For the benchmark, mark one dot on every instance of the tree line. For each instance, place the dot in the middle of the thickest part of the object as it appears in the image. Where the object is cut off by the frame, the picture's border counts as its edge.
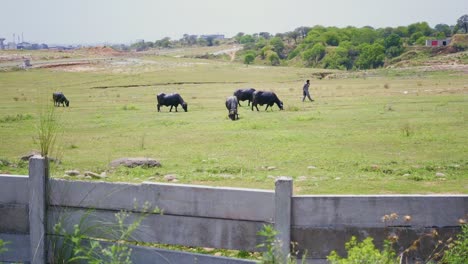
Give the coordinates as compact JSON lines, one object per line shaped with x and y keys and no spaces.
{"x":327,"y":47}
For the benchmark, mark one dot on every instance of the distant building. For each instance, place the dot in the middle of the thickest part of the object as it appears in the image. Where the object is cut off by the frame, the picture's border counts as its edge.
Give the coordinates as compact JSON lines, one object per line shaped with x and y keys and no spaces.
{"x":437,"y":42}
{"x":11,"y":45}
{"x":2,"y":46}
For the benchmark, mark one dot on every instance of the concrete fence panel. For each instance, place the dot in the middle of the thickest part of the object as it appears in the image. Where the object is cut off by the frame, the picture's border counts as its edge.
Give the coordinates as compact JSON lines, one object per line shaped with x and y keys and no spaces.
{"x":166,"y":229}
{"x":188,"y":200}
{"x":321,"y":224}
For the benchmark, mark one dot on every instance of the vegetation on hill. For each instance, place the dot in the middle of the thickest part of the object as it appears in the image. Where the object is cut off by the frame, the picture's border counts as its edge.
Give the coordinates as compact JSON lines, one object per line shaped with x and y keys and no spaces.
{"x":327,"y":47}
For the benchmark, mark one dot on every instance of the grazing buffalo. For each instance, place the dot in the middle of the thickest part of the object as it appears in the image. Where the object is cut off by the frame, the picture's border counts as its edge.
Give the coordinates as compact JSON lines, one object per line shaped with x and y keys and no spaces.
{"x":171,"y":100}
{"x":59,"y":98}
{"x":231,"y":105}
{"x":244,"y":94}
{"x":268,"y":98}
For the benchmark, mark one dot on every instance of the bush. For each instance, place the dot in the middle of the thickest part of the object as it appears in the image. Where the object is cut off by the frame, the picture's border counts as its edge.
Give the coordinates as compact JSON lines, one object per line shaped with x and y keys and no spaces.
{"x":457,"y":251}
{"x":364,"y":252}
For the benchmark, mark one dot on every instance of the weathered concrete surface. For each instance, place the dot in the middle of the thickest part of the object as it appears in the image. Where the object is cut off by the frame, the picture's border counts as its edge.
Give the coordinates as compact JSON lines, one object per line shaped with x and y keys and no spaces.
{"x":319,"y":242}
{"x":167,"y":229}
{"x":321,"y":224}
{"x":14,"y":189}
{"x":14,"y":218}
{"x":38,"y":181}
{"x":283,"y":194}
{"x":174,"y":199}
{"x":367,"y":210}
{"x":18,"y":248}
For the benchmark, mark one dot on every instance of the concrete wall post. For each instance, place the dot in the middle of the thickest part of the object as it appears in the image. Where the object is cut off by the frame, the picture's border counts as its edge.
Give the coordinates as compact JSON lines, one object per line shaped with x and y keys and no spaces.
{"x":283,"y":195}
{"x":38,"y":179}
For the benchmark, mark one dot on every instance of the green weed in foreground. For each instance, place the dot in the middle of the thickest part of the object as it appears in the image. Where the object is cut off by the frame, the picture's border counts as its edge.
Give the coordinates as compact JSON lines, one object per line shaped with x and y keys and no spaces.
{"x":81,"y":246}
{"x":272,"y":248}
{"x":364,"y":253}
{"x":3,"y":247}
{"x":457,"y":251}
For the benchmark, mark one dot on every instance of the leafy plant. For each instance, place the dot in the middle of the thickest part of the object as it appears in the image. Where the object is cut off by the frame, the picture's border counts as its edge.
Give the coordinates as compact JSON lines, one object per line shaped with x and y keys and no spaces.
{"x":79,"y":245}
{"x":364,"y":252}
{"x":48,"y":129}
{"x":3,"y":247}
{"x":457,"y":251}
{"x":272,"y":247}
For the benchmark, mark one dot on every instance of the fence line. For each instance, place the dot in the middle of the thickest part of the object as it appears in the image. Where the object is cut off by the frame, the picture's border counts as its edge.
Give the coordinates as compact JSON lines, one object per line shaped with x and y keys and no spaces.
{"x":213,"y":217}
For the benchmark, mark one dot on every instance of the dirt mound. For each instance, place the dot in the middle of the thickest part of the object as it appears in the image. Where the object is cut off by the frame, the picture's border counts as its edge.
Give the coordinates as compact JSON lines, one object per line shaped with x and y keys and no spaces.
{"x":459,"y":39}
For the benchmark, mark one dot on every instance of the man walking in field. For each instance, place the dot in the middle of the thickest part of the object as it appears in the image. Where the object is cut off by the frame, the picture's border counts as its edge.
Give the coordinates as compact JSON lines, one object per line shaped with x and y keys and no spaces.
{"x":305,"y":91}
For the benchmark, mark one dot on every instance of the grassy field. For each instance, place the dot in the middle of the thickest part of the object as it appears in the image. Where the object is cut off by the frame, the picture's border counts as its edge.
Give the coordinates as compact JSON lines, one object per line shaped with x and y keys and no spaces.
{"x":379,"y":132}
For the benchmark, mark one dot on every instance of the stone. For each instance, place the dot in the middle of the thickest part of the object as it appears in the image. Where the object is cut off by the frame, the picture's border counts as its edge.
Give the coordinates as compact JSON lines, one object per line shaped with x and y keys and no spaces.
{"x":301,"y":178}
{"x":72,"y":172}
{"x":439,"y":174}
{"x":270,"y":168}
{"x":151,"y":178}
{"x":170,"y":177}
{"x":104,"y":174}
{"x":88,"y":177}
{"x":311,"y":167}
{"x":93,"y":175}
{"x":208,"y":249}
{"x":27,"y":156}
{"x":406,"y":175}
{"x":375,"y":167}
{"x":218,"y":254}
{"x":134,"y":162}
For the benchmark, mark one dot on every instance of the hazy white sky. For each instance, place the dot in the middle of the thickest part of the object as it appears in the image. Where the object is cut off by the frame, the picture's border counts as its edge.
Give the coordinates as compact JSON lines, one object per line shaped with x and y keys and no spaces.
{"x":124,"y":21}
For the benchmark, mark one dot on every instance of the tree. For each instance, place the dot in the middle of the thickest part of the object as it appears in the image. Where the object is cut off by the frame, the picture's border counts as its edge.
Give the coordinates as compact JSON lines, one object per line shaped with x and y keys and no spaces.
{"x":393,"y":45}
{"x":273,"y":58}
{"x":331,"y":38}
{"x":443,"y":28}
{"x":246,"y":39}
{"x":337,"y":58}
{"x":462,"y":23}
{"x":415,"y":37}
{"x":265,"y":35}
{"x":313,"y":55}
{"x":293,"y":35}
{"x":278,"y":45}
{"x":371,"y":56}
{"x":249,"y":58}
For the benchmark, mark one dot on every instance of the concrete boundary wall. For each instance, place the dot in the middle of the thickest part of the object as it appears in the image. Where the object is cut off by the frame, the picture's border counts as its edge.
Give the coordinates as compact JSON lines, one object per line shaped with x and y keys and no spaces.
{"x":188,"y":200}
{"x":322,"y":223}
{"x":215,"y":217}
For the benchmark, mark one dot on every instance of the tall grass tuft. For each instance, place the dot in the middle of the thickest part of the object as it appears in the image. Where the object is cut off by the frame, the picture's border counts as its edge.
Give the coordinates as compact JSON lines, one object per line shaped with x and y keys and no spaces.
{"x":48,"y":129}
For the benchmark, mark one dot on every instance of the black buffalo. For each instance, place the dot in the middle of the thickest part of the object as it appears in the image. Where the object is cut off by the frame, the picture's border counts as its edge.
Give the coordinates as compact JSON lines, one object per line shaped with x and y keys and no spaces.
{"x":171,"y":100}
{"x":268,"y":98}
{"x":231,"y":105}
{"x":59,"y":98}
{"x":244,"y":94}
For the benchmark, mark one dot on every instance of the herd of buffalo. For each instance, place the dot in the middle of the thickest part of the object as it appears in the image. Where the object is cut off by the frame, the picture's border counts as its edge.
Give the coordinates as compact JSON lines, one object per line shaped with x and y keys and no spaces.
{"x":232,"y":102}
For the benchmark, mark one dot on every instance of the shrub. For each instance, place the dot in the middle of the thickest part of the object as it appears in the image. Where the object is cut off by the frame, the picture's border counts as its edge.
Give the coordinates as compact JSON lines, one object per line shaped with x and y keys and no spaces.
{"x":457,"y":251}
{"x":364,"y":252}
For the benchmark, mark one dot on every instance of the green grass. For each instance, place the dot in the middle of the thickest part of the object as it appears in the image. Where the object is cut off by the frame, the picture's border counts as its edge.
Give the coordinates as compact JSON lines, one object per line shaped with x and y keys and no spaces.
{"x":389,"y":132}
